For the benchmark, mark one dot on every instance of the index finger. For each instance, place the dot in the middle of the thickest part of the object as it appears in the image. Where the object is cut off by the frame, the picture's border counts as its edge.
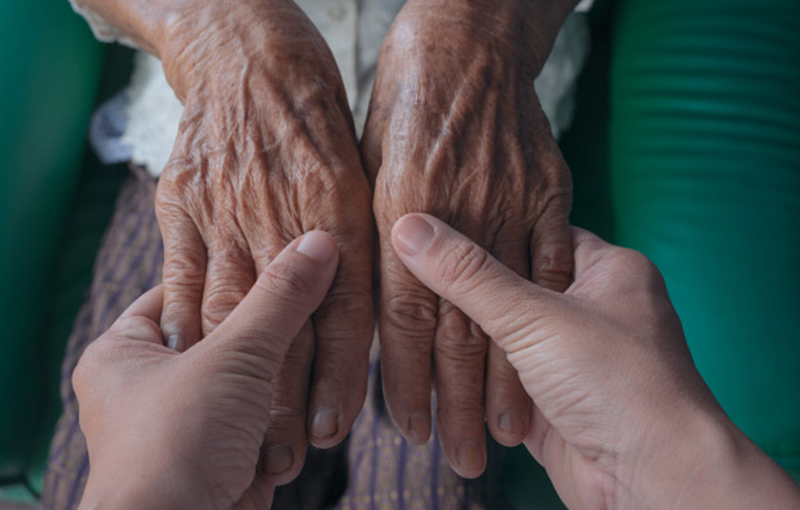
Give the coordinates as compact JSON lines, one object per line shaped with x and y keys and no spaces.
{"x":281,"y":300}
{"x":147,"y":305}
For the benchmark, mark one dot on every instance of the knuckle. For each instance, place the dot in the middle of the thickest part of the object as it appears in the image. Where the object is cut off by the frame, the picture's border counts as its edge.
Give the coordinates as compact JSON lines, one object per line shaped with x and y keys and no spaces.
{"x":636,"y":264}
{"x":404,"y":35}
{"x":553,"y":270}
{"x":179,"y":173}
{"x":253,"y":360}
{"x":411,"y":315}
{"x":175,"y":197}
{"x":220,"y":301}
{"x":350,"y":302}
{"x":459,"y":339}
{"x":185,"y":267}
{"x":463,"y":264}
{"x":180,"y":315}
{"x":562,"y":181}
{"x":461,"y":415}
{"x":555,"y":257}
{"x":633,"y":258}
{"x":288,"y":417}
{"x":211,"y":319}
{"x":345,"y":316}
{"x":95,"y":357}
{"x":287,"y":281}
{"x":642,"y":269}
{"x":462,"y":353}
{"x":92,"y":357}
{"x":556,"y":202}
{"x":555,"y":169}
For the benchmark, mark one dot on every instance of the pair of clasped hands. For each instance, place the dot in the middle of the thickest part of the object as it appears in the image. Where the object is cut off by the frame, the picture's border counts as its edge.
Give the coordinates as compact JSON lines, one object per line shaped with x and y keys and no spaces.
{"x":266,"y":151}
{"x":620,"y":417}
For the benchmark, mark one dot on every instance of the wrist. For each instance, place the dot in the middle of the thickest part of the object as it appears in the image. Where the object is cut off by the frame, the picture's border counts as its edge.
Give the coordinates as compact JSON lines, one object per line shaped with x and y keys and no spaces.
{"x":183,"y":33}
{"x":703,"y":462}
{"x":526,"y":28}
{"x":193,"y":39}
{"x":241,"y":42}
{"x":157,"y":484}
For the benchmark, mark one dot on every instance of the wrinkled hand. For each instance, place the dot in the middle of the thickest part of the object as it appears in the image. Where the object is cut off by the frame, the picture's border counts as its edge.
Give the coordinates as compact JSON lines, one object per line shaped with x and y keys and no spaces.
{"x":621,"y":418}
{"x":168,"y":430}
{"x":455,"y":129}
{"x":265,"y":152}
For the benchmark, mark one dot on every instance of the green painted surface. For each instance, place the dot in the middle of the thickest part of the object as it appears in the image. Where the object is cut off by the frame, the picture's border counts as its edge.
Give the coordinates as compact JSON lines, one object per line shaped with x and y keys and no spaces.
{"x":705,"y":171}
{"x":47,"y":88}
{"x":17,"y":493}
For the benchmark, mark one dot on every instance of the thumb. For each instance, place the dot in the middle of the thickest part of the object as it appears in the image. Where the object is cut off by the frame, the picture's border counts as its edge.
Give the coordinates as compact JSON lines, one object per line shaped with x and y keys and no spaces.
{"x":501,"y":302}
{"x":291,"y":287}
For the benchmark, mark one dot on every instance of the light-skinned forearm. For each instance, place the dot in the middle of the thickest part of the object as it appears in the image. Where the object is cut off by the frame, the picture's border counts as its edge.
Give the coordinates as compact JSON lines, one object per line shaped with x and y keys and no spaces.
{"x":120,"y":482}
{"x":704,"y":461}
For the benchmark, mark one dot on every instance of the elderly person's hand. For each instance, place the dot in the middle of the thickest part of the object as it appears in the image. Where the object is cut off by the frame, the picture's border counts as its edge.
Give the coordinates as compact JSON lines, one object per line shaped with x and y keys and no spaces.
{"x":184,"y":430}
{"x":455,"y":129}
{"x":621,"y":418}
{"x":266,"y":151}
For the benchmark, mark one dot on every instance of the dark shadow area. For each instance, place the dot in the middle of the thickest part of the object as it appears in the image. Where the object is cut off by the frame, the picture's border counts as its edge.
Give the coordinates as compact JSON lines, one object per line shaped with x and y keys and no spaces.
{"x":586,"y":144}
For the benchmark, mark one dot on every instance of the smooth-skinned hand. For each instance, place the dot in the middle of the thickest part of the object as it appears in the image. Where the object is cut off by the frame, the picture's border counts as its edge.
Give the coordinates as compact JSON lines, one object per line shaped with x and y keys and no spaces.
{"x":455,"y":130}
{"x":266,"y":151}
{"x":170,"y":430}
{"x":621,"y":418}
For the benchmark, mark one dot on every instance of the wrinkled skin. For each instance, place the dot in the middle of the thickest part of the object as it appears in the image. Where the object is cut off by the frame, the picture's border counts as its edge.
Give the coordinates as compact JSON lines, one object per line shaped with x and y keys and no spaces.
{"x":455,"y":130}
{"x":265,"y":152}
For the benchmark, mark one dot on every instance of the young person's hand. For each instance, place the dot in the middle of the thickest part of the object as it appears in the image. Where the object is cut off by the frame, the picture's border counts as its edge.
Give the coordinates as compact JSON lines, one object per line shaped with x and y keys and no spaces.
{"x":621,"y":418}
{"x":185,"y":430}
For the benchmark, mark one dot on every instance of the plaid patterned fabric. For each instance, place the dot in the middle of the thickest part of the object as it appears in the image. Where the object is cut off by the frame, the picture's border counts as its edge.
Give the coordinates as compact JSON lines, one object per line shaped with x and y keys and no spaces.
{"x":375,"y":469}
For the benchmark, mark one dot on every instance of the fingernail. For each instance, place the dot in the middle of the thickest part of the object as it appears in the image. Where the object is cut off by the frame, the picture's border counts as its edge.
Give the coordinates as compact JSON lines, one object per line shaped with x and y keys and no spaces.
{"x":470,"y":456}
{"x":276,"y":460}
{"x":413,"y":235}
{"x":511,"y":422}
{"x":317,"y":245}
{"x":419,"y":428}
{"x":325,"y":423}
{"x":174,"y":342}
